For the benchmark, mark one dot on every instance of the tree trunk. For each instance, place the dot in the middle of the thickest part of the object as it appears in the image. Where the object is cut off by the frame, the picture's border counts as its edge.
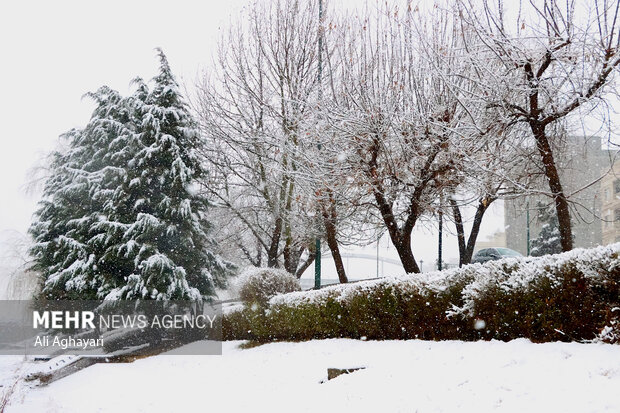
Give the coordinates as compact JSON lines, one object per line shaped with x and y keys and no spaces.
{"x":403,"y":247}
{"x":306,"y":264}
{"x":292,"y":257}
{"x":290,"y":263}
{"x":333,"y":247}
{"x":259,"y":252}
{"x":551,"y":172}
{"x":475,"y":228}
{"x":329,"y":219}
{"x":400,"y":239}
{"x":460,"y":231}
{"x":272,"y":254}
{"x":466,"y":250}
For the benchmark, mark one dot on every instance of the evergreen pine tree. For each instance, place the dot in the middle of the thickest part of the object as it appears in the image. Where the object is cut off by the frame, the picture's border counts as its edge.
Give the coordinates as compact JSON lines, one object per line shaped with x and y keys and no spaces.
{"x":166,"y":240}
{"x":122,"y":217}
{"x":65,"y":230}
{"x":548,"y":240}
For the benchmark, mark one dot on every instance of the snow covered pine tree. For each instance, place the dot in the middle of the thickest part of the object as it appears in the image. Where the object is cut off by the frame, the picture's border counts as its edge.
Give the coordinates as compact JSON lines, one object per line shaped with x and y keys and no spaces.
{"x":548,"y":240}
{"x":66,"y":226}
{"x":121,"y":216}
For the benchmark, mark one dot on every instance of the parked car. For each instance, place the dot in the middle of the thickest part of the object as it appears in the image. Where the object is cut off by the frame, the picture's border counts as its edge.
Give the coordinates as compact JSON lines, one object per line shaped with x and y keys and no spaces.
{"x":492,"y":254}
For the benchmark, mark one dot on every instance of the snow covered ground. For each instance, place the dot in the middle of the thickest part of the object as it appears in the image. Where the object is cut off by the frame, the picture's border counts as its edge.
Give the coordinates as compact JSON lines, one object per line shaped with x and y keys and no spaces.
{"x":403,"y":376}
{"x":11,"y":369}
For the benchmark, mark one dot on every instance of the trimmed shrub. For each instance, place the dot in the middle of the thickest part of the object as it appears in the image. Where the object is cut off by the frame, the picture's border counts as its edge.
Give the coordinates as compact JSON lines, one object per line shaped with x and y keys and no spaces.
{"x":573,"y":296}
{"x":258,"y":285}
{"x":611,"y":332}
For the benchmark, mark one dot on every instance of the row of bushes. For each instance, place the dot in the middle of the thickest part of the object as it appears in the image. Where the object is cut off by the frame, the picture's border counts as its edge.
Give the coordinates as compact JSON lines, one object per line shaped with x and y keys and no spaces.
{"x":573,"y":296}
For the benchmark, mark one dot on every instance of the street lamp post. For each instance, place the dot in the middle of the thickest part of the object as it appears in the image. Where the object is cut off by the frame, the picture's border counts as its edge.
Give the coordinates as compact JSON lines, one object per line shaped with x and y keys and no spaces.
{"x":378,"y":239}
{"x":439,"y":246}
{"x":317,"y":246}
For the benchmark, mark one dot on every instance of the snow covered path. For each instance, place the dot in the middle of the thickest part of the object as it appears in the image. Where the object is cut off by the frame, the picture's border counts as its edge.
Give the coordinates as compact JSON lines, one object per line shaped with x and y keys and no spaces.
{"x":405,"y":376}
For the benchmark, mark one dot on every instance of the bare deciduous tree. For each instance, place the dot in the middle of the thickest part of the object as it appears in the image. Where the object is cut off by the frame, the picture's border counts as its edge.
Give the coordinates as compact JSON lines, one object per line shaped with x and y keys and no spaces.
{"x":252,"y":111}
{"x":537,"y":63}
{"x":406,"y":134}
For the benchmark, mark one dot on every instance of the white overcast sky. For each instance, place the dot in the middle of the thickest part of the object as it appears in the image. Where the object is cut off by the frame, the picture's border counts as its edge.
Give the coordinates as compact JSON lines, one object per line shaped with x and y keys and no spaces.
{"x":52,"y":52}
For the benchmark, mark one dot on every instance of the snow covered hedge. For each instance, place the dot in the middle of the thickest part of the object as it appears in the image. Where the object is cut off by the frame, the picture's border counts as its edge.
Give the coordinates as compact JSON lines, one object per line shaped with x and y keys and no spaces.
{"x":570,"y":296}
{"x":258,"y":285}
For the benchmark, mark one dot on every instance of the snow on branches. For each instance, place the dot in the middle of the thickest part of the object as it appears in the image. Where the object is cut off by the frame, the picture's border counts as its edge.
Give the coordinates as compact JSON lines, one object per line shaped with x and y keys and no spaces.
{"x":121,"y":218}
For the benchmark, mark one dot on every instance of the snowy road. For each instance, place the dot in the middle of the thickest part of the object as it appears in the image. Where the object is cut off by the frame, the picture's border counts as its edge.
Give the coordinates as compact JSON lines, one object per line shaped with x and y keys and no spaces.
{"x":405,"y":376}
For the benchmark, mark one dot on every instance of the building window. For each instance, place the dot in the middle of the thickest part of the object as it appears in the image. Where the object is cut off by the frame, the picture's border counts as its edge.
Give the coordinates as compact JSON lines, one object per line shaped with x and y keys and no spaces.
{"x":607,"y":220}
{"x":607,"y":197}
{"x":617,"y":186}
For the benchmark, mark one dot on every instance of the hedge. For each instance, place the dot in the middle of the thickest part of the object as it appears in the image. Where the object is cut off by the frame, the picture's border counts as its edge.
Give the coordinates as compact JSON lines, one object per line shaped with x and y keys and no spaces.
{"x":574,"y":296}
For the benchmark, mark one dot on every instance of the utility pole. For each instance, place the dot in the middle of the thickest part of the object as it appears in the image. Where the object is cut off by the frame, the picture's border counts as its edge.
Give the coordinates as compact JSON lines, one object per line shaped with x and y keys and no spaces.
{"x":317,"y":259}
{"x":439,"y":253}
{"x":378,"y":239}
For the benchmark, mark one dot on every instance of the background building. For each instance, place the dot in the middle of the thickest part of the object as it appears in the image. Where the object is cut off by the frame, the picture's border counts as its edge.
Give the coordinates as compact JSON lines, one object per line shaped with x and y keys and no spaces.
{"x":609,"y":195}
{"x":581,"y":161}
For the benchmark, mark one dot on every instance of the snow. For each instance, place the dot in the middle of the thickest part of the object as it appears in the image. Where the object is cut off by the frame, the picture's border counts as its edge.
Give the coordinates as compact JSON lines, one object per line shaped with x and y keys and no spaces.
{"x":11,"y":368}
{"x":521,"y":271}
{"x":263,"y":283}
{"x":406,"y":376}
